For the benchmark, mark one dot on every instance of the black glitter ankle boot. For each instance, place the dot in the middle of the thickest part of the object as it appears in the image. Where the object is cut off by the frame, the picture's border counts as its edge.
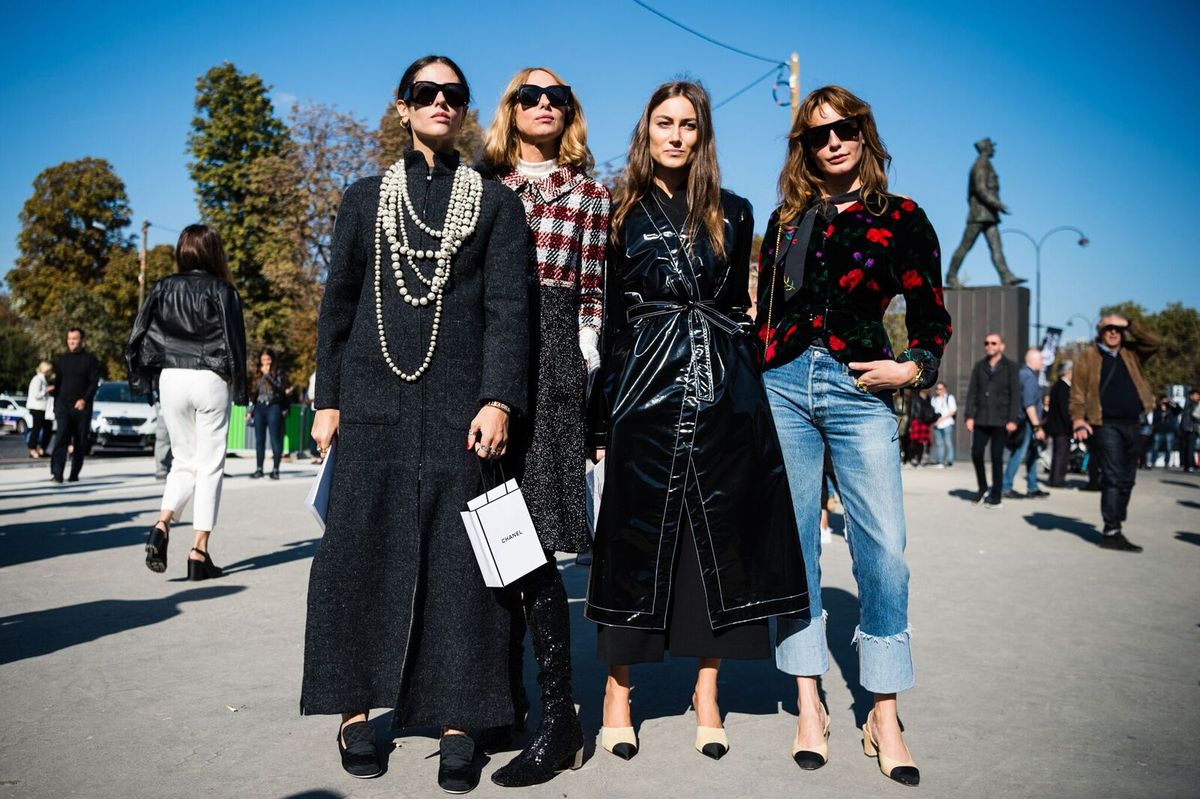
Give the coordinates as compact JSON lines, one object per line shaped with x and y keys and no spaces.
{"x":558,"y":742}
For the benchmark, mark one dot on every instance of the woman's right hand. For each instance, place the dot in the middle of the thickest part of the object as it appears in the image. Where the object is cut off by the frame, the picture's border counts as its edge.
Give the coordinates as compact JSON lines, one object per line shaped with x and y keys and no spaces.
{"x":325,"y":427}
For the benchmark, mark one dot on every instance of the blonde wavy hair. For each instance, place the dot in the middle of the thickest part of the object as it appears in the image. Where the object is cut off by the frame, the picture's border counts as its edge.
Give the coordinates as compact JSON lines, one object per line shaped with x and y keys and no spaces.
{"x":501,"y":148}
{"x":801,"y":181}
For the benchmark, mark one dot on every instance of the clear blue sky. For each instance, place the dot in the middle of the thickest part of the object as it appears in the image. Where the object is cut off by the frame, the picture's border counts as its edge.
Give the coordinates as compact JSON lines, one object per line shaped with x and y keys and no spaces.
{"x":1092,"y":106}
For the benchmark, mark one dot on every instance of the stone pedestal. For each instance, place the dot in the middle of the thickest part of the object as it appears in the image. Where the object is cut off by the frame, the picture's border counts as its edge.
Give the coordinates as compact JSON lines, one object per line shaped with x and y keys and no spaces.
{"x":976,"y":312}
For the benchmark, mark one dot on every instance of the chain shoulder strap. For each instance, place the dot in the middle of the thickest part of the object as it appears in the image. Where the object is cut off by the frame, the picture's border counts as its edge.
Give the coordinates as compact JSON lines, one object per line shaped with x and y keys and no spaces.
{"x":774,"y":274}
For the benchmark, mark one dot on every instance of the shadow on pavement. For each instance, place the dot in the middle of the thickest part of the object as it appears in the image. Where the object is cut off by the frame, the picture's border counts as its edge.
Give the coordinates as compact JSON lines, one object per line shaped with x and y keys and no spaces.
{"x":1188,"y":538}
{"x":963,"y":493}
{"x":1187,"y":503}
{"x":84,"y":486}
{"x":80,"y":503}
{"x":27,"y":635}
{"x":1051,"y":521}
{"x":322,"y":794}
{"x":1180,"y":483}
{"x":842,"y":607}
{"x":659,"y":689}
{"x":296,"y":550}
{"x":28,"y":542}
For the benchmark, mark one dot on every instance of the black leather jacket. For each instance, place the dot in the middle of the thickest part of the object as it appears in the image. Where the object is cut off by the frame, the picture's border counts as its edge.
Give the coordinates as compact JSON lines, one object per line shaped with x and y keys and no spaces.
{"x":191,"y":320}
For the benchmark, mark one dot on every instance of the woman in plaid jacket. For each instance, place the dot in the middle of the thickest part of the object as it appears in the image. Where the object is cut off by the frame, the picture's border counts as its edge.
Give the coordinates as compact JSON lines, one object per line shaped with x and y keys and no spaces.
{"x":537,"y":146}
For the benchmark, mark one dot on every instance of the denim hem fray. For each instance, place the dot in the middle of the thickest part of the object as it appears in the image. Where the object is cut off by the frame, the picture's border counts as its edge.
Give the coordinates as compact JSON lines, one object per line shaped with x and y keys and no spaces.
{"x":884,"y":661}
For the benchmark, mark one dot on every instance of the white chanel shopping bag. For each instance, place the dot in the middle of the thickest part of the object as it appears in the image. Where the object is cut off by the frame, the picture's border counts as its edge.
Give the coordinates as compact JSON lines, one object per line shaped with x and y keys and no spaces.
{"x":594,"y":485}
{"x":502,"y":535}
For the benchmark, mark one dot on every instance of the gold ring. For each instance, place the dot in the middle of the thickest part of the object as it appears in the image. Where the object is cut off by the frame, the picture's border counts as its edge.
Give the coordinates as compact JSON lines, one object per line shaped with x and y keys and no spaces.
{"x":860,"y":385}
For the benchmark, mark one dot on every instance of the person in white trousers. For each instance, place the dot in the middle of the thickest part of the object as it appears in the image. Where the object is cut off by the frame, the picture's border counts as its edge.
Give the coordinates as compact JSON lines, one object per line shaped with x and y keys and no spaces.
{"x":189,"y":340}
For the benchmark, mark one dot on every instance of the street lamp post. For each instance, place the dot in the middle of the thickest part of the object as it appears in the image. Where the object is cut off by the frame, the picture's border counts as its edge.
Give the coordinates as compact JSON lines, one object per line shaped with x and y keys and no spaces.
{"x":1088,"y":322}
{"x":1037,"y":248}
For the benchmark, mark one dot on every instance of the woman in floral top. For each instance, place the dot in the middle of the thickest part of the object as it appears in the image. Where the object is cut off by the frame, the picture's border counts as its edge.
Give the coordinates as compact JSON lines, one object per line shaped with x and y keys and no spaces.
{"x":834,"y":254}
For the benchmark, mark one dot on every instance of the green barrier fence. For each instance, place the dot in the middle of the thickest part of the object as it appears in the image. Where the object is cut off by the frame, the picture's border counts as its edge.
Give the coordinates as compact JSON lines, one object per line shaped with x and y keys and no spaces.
{"x":296,"y":426}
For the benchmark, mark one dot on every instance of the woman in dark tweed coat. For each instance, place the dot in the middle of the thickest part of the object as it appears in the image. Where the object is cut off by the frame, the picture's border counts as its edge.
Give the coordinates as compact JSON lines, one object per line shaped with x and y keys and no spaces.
{"x":537,"y":146}
{"x":398,"y":614}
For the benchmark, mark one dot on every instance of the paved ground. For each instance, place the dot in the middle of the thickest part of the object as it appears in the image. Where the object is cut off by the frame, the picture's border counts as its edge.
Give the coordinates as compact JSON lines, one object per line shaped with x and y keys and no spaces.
{"x":1045,"y":666}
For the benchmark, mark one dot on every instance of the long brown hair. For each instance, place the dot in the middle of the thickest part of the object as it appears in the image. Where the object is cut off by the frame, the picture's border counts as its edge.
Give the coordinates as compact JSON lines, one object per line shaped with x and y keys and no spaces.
{"x":704,"y":176}
{"x":501,"y":147}
{"x":200,"y":248}
{"x":801,"y":181}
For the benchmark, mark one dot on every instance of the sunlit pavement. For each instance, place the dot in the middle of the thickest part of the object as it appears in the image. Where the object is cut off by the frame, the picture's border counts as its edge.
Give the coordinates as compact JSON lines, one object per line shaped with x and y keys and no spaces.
{"x":1045,"y":665}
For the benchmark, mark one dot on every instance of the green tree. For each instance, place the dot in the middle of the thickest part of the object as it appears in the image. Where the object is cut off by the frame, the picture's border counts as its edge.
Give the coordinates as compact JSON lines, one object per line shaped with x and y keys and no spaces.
{"x":326,"y":151}
{"x":394,"y":138}
{"x":234,"y":127}
{"x":18,"y":351}
{"x":1178,"y":359}
{"x":72,"y":225}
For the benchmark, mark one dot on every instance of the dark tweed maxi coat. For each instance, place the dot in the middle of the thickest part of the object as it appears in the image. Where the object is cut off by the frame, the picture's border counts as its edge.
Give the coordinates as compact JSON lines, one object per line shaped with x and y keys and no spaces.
{"x":398,"y":615}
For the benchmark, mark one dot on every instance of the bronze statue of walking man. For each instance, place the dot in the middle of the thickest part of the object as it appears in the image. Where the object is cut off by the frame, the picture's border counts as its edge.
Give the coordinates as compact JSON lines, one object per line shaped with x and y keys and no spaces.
{"x":983,"y":197}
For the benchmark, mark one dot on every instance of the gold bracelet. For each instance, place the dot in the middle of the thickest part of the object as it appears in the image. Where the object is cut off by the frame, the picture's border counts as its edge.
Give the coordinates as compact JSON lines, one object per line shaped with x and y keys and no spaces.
{"x":498,"y":404}
{"x":916,"y":381}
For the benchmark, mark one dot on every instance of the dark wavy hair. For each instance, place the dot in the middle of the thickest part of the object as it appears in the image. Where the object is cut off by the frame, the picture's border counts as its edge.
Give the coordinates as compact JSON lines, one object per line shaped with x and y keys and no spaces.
{"x":200,"y":248}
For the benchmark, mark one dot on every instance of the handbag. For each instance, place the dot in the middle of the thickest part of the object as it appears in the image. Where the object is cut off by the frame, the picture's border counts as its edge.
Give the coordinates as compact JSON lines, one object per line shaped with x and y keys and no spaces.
{"x":502,"y":535}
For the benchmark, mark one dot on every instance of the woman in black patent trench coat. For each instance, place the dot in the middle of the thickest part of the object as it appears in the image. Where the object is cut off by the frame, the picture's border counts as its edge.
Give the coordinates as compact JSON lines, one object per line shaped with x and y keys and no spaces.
{"x":695,"y":545}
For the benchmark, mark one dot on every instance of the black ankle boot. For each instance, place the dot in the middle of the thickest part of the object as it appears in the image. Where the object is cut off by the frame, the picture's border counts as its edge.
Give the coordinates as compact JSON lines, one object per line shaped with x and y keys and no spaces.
{"x":558,"y":742}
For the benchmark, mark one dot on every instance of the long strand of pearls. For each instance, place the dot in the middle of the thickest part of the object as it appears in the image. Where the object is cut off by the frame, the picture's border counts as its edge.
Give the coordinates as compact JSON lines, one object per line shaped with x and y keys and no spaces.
{"x":462,"y":214}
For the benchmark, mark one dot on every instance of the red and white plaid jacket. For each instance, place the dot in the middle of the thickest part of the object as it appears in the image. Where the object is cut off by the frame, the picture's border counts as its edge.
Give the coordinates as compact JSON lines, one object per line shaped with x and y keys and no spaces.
{"x":568,"y":216}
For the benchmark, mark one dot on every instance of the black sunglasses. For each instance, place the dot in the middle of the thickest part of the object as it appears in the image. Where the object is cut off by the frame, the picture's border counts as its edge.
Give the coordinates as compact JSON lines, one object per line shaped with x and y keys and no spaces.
{"x":846,"y":129}
{"x":424,"y":92}
{"x":991,"y":343}
{"x":1112,"y":329}
{"x":529,"y":95}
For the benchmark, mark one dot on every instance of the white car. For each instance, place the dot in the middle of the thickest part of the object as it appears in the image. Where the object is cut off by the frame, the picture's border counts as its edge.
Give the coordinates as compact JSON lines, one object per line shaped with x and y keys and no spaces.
{"x":13,"y":414}
{"x":121,"y":418}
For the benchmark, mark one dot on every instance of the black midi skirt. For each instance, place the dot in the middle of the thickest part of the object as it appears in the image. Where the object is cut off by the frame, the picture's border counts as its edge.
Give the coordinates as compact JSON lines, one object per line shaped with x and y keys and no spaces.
{"x":688,"y":632}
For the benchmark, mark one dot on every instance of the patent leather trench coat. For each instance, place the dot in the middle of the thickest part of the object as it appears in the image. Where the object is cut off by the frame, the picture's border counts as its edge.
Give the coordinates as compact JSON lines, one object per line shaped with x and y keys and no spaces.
{"x":684,"y":418}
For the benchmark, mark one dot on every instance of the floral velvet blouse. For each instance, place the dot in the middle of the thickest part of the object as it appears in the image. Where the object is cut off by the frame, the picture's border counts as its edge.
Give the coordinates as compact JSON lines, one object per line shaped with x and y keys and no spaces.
{"x":854,"y":266}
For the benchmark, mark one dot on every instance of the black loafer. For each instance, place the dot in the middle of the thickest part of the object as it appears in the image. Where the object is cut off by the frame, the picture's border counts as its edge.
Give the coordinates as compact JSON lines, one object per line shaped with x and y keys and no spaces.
{"x":456,"y":764}
{"x":360,"y":758}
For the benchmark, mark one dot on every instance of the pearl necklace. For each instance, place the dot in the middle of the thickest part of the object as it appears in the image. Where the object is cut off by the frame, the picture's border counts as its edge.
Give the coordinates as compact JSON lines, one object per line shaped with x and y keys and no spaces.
{"x":462,"y":214}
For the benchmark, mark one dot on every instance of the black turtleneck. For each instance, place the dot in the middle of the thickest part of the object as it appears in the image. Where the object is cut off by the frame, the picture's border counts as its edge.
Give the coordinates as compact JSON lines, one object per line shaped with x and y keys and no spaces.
{"x":76,"y":375}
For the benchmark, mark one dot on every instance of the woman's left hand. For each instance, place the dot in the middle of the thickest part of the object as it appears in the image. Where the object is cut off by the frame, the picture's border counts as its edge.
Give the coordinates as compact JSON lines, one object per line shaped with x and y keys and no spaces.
{"x":878,"y":375}
{"x":488,"y":434}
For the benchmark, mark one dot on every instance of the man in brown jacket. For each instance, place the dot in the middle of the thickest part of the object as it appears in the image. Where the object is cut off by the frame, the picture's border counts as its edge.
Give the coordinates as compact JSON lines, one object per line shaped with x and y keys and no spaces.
{"x":1109,"y":399}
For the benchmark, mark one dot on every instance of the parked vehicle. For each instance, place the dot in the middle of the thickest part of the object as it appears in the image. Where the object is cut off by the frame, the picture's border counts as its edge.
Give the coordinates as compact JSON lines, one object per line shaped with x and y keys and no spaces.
{"x":122,"y":419}
{"x":13,"y":414}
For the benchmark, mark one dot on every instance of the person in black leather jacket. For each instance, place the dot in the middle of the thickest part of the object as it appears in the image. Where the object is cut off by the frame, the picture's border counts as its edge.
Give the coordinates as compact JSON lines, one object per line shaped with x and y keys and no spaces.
{"x":189,"y":344}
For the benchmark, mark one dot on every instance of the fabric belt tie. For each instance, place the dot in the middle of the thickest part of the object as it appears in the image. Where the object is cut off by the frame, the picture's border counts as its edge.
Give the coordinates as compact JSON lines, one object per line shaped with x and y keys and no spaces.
{"x":699,"y":316}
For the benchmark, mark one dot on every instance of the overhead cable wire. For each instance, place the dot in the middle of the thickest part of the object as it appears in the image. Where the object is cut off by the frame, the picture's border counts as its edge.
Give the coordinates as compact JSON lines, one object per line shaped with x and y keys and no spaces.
{"x":772,"y":71}
{"x":708,"y":39}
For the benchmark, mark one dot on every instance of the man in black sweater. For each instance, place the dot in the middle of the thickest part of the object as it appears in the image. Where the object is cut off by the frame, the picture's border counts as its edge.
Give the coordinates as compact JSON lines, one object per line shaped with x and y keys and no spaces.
{"x":993,"y":410}
{"x":1058,"y":426}
{"x":76,"y":376}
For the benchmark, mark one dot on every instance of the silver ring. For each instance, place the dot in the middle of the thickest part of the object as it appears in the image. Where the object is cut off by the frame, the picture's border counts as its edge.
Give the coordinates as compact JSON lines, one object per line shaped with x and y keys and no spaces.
{"x":485,"y":449}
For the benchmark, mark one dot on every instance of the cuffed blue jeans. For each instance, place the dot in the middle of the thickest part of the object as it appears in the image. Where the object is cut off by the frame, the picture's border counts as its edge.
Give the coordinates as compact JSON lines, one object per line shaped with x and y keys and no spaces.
{"x":815,"y":404}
